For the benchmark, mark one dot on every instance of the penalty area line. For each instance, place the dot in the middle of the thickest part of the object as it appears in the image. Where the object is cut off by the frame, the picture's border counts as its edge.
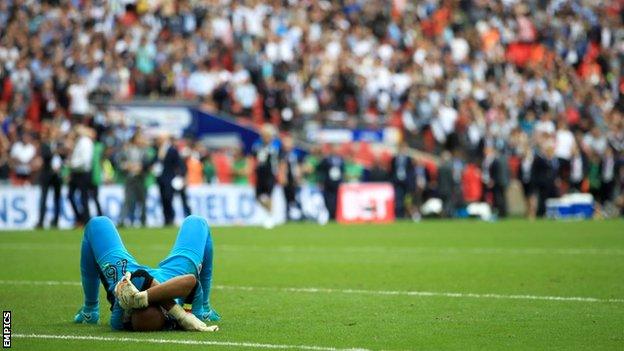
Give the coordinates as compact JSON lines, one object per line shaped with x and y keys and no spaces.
{"x":254,"y":345}
{"x":361,"y":292}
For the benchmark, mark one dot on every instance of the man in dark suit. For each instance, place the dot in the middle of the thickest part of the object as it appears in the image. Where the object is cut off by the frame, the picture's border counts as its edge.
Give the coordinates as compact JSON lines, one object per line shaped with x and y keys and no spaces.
{"x":167,"y":166}
{"x":50,"y":176}
{"x":331,"y":170}
{"x":402,"y":176}
{"x":291,"y":174}
{"x":545,"y":174}
{"x":496,"y":178}
{"x":446,"y":184}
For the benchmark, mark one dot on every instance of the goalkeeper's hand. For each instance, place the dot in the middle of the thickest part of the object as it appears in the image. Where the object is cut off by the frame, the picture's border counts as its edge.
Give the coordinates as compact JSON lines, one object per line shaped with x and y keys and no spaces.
{"x":189,"y":322}
{"x":128,"y":295}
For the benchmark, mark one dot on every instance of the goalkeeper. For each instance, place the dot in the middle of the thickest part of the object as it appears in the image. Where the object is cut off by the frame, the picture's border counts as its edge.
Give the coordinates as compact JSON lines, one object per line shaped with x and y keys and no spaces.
{"x":105,"y":259}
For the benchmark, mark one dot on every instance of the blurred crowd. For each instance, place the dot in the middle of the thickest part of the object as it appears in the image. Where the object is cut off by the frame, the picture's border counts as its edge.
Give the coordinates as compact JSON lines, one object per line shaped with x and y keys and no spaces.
{"x":501,"y":90}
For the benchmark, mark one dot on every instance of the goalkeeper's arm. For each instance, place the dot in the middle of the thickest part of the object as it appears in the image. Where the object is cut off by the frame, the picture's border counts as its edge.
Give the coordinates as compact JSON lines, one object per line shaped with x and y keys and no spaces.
{"x":164,"y":295}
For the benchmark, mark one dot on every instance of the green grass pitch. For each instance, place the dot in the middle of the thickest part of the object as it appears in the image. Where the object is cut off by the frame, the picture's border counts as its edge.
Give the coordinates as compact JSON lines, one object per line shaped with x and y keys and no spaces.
{"x":432,"y":285}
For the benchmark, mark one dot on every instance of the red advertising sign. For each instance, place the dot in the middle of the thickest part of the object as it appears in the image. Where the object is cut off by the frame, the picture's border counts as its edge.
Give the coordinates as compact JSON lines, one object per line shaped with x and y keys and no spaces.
{"x":365,"y":202}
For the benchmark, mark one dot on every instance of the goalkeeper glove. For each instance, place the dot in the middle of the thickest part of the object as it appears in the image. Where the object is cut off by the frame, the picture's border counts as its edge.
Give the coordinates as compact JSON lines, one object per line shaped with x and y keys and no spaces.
{"x":189,"y":322}
{"x":128,"y":295}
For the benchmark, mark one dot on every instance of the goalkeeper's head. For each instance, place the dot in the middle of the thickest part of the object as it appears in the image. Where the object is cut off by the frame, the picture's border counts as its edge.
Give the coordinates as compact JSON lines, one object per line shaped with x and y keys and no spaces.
{"x":151,"y":318}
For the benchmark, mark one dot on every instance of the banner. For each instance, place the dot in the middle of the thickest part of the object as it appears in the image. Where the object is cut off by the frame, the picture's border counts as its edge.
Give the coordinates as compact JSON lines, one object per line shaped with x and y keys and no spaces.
{"x":221,"y":204}
{"x":388,"y":135}
{"x":154,"y":119}
{"x":365,"y":202}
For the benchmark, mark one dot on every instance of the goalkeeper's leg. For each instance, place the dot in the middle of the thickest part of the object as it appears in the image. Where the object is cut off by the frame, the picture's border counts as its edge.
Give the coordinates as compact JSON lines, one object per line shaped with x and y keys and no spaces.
{"x":89,"y":312}
{"x":195,"y":242}
{"x":100,"y":239}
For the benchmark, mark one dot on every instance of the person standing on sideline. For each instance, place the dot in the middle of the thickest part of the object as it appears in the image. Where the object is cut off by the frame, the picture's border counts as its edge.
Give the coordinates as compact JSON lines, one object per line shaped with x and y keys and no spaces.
{"x":167,"y":166}
{"x":180,"y":181}
{"x":402,"y":176}
{"x":266,"y":154}
{"x":240,"y":168}
{"x":134,"y":162}
{"x":96,"y":171}
{"x":494,"y":179}
{"x":545,"y":177}
{"x":291,"y":174}
{"x":446,"y":184}
{"x":331,"y":169}
{"x":50,"y":176}
{"x":526,"y":179}
{"x":80,"y":163}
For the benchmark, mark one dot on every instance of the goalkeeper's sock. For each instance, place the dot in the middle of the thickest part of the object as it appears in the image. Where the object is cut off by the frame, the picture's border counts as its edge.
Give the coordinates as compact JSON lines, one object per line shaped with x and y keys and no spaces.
{"x":87,"y":315}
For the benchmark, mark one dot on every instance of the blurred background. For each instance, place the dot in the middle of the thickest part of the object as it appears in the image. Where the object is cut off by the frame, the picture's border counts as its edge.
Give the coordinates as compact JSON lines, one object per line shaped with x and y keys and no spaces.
{"x":259,"y":112}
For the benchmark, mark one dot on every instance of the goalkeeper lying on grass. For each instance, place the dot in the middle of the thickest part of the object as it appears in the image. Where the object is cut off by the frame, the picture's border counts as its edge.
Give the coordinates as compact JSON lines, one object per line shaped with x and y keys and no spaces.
{"x":185,"y":275}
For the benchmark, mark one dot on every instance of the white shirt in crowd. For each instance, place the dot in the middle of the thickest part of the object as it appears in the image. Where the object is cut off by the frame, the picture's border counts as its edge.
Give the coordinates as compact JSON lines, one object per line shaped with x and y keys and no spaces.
{"x":23,"y":153}
{"x":246,"y":94}
{"x":598,"y":144}
{"x":564,"y":144}
{"x":82,"y":155}
{"x":308,"y":105}
{"x":79,"y":99}
{"x":201,"y":83}
{"x":545,"y":127}
{"x":459,"y":49}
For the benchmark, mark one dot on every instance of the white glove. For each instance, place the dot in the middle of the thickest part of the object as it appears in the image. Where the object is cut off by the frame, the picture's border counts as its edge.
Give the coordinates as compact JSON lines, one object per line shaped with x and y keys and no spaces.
{"x":128,"y":295}
{"x":189,"y":322}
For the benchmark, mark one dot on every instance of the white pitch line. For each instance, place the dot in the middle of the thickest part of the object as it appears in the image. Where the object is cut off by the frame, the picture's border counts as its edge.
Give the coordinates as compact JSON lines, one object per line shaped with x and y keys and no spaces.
{"x":363,"y":292}
{"x":422,"y":294}
{"x":186,"y":342}
{"x":360,"y":249}
{"x":429,"y":250}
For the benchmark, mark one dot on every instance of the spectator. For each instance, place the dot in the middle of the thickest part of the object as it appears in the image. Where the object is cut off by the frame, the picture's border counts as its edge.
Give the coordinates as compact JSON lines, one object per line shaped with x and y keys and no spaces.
{"x":310,"y":165}
{"x":353,"y":169}
{"x":377,"y":172}
{"x":23,"y":154}
{"x":608,"y":173}
{"x":167,"y":166}
{"x":50,"y":175}
{"x":179,"y":183}
{"x":80,"y":164}
{"x":194,"y":166}
{"x":446,"y":184}
{"x":240,"y":168}
{"x":495,"y":180}
{"x":266,"y":157}
{"x":527,"y":179}
{"x":403,"y":179}
{"x":291,"y":175}
{"x":578,"y":169}
{"x":246,"y":95}
{"x":96,"y":171}
{"x":544,"y":177}
{"x":472,"y":188}
{"x":134,"y":162}
{"x":331,"y":170}
{"x":78,"y":94}
{"x":4,"y":159}
{"x":209,"y":169}
{"x":564,"y":146}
